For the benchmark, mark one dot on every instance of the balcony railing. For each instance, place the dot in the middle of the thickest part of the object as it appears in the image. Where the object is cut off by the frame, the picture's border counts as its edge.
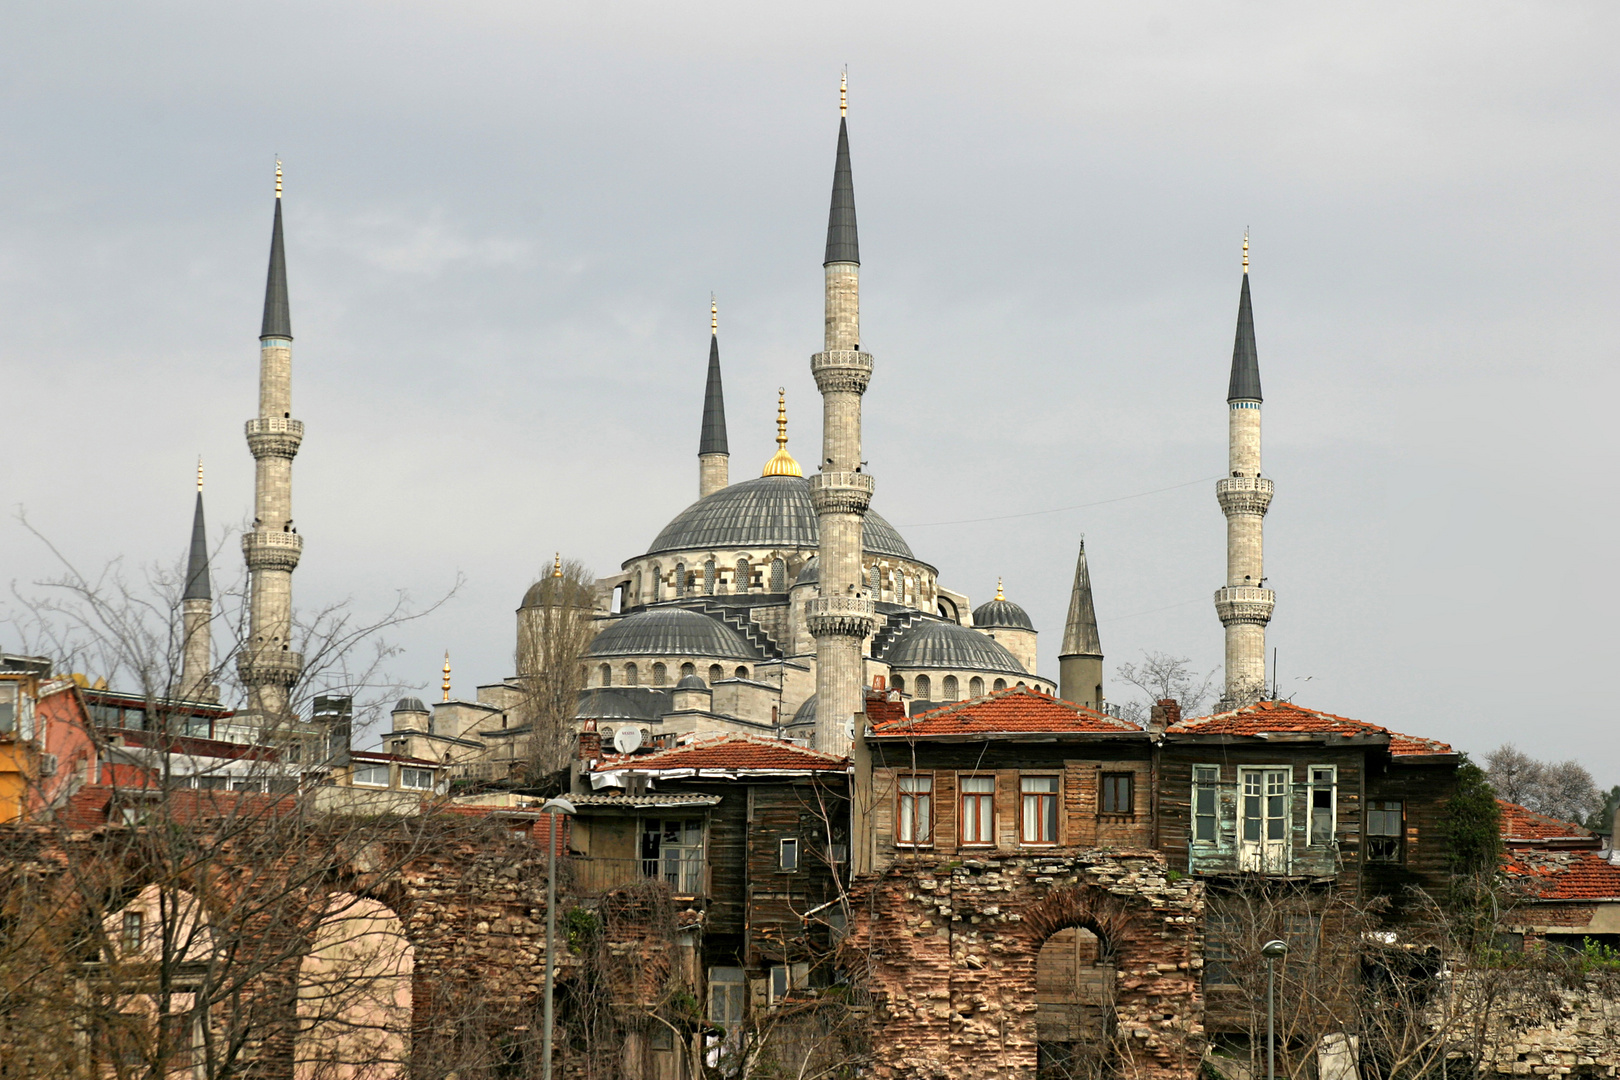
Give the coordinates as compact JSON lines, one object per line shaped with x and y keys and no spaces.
{"x":681,"y":870}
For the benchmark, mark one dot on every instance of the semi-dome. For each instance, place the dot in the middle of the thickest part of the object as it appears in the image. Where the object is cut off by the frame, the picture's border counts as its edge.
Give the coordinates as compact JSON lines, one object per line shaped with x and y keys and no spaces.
{"x":766,"y":512}
{"x":810,"y":573}
{"x":1001,"y":614}
{"x":410,"y":704}
{"x":671,"y":632}
{"x":805,"y":714}
{"x":935,"y":643}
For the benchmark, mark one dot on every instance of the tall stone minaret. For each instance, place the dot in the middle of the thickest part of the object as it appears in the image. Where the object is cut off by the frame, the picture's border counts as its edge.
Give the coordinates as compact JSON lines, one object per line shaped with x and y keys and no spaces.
{"x":1080,"y":664}
{"x":197,"y":614}
{"x":842,"y":616}
{"x":1244,"y":605}
{"x":267,"y":664}
{"x":714,"y":455}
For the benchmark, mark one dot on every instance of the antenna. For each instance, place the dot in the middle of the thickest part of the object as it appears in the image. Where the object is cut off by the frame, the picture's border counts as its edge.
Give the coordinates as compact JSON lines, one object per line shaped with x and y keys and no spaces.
{"x":1276,"y":681}
{"x":627,"y":740}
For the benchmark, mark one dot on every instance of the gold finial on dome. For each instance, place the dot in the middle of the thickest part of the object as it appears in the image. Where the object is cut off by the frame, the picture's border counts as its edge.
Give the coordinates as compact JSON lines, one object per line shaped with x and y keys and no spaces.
{"x":199,"y":472}
{"x":782,"y":464}
{"x":999,"y":596}
{"x":446,"y":683}
{"x":843,"y":93}
{"x":1245,"y":249}
{"x":556,"y":565}
{"x":278,"y":178}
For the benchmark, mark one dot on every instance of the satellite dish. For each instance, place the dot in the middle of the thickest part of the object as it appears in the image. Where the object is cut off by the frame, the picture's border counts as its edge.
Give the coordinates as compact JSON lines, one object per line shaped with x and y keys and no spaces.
{"x":627,"y":740}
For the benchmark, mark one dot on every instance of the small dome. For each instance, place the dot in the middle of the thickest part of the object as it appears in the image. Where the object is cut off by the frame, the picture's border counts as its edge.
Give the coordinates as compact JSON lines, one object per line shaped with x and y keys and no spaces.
{"x":671,"y":632}
{"x":935,"y":643}
{"x":410,"y":704}
{"x":691,"y":682}
{"x":810,"y":574}
{"x":1002,"y":614}
{"x":806,"y":713}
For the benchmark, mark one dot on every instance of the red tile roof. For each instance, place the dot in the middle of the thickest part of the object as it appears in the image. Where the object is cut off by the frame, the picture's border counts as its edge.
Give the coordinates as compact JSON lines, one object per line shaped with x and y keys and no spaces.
{"x":1521,"y":824}
{"x":1285,"y":718}
{"x":725,"y":753}
{"x":1016,"y":710}
{"x":1564,"y":875}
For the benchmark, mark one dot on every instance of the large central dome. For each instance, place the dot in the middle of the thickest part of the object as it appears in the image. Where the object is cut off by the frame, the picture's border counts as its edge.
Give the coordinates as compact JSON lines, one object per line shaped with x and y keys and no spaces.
{"x":769,"y":512}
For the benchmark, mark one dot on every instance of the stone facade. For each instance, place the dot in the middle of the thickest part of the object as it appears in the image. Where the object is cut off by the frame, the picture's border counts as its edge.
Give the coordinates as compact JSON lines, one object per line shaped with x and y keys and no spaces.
{"x":947,"y":948}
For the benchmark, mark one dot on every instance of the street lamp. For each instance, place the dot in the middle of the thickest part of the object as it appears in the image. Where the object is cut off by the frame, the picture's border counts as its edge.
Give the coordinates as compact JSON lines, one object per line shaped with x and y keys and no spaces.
{"x":551,"y":808}
{"x":1273,"y":951}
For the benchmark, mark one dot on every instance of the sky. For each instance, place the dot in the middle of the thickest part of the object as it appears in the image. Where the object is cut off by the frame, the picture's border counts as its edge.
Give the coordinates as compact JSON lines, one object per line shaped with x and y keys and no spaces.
{"x":504,"y":222}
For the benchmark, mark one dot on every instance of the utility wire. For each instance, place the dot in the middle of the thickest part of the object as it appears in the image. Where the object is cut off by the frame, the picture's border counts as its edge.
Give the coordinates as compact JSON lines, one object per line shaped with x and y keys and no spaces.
{"x":1061,"y":509}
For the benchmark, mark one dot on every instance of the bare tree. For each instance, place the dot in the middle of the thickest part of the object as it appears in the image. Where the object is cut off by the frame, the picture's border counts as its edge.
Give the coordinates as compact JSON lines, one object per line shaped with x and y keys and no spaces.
{"x":555,"y":627}
{"x":1160,"y":676}
{"x":1564,"y":790}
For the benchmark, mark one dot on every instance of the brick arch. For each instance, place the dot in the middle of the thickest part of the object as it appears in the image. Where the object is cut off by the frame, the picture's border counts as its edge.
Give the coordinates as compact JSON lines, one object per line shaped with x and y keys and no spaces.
{"x":1106,"y":915}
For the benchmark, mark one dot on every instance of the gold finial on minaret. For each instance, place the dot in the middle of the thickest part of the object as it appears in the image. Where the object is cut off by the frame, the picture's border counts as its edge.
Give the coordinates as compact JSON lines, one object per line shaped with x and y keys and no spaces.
{"x":556,"y":565}
{"x":998,"y":590}
{"x":782,"y":464}
{"x":199,"y":472}
{"x":1245,"y":249}
{"x":278,"y":178}
{"x":446,"y":684}
{"x":843,"y":93}
{"x":714,"y":317}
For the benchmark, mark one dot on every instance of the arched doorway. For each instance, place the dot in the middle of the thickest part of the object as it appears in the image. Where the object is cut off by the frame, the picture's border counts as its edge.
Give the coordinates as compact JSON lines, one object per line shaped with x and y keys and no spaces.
{"x":1074,"y":1006}
{"x":354,"y":995}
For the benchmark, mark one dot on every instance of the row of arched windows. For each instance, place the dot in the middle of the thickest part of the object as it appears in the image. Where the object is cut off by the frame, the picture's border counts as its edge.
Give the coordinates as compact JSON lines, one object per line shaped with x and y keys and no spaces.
{"x":922,"y":687}
{"x":883,"y":583}
{"x":659,"y":673}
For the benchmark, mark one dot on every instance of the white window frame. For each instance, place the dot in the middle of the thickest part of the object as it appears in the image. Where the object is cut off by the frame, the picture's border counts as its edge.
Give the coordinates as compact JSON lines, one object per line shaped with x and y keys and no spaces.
{"x":728,"y":996}
{"x":361,"y":770}
{"x":1268,"y":854}
{"x":1206,"y":778}
{"x":1332,"y":786}
{"x":786,"y":978}
{"x":423,"y":774}
{"x":783,"y":846}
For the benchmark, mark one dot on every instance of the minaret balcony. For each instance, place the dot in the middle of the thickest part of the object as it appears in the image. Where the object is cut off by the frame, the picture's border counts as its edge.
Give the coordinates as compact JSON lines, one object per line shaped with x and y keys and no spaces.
{"x":269,"y":667}
{"x":842,"y":370}
{"x":1244,"y":604}
{"x":841,"y":492}
{"x":1244,"y":494}
{"x":840,"y":616}
{"x":274,"y":436}
{"x":265,"y":550}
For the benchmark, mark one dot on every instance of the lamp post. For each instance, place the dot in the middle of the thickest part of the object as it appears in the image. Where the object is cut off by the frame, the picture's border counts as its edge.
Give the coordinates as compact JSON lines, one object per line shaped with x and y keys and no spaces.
{"x":551,"y":809}
{"x":1273,"y":951}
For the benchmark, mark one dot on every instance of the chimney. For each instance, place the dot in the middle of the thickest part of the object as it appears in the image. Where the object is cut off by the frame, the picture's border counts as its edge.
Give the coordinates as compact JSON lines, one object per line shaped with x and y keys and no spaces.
{"x":879,"y":683}
{"x":590,"y":744}
{"x":1163,"y":715}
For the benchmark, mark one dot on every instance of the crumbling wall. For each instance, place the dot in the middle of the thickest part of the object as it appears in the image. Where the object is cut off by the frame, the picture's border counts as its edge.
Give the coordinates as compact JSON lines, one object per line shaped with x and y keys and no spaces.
{"x":1568,"y":1031}
{"x":946,"y":947}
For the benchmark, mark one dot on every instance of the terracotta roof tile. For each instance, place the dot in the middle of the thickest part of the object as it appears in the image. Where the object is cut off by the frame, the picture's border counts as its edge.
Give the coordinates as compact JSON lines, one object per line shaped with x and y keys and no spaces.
{"x":1018,"y":709}
{"x":1285,"y":718}
{"x":1564,"y":875}
{"x":1520,"y":823}
{"x":727,"y":751}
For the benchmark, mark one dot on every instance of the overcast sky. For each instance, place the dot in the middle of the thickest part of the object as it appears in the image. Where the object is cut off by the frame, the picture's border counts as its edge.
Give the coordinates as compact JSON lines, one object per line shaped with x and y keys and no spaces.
{"x":504,"y":221}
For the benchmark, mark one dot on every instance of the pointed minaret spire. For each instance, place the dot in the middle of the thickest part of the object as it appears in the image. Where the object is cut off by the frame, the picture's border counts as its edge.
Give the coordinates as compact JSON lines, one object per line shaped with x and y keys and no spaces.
{"x":842,"y":615}
{"x":714,"y":454}
{"x":268,"y":666}
{"x":1080,"y":663}
{"x":197,"y":614}
{"x":1244,"y":604}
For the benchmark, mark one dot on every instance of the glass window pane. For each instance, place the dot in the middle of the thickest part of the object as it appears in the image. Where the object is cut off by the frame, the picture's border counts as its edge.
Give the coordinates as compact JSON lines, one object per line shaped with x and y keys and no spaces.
{"x":978,"y":784}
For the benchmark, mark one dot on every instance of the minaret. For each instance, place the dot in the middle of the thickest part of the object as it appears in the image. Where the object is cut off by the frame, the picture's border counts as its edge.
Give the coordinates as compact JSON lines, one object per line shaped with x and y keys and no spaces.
{"x":267,"y":664}
{"x":1080,"y":664}
{"x":714,"y":456}
{"x":842,"y":616}
{"x":197,"y":614}
{"x":1244,"y":605}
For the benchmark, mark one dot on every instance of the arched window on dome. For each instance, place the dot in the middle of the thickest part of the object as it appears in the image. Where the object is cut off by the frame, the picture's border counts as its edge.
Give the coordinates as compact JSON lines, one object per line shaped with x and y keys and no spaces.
{"x":873,"y":582}
{"x":658,"y":674}
{"x":635,"y":597}
{"x":630,"y":677}
{"x":975,"y":687}
{"x":744,"y":572}
{"x":657,"y":583}
{"x":949,"y":690}
{"x":741,"y":672}
{"x":607,"y":674}
{"x":680,"y":579}
{"x":899,"y":684}
{"x":709,"y":576}
{"x":778,"y":576}
{"x":716,"y":673}
{"x":1021,"y":684}
{"x":999,"y":686}
{"x":907,"y":600}
{"x":924,"y":688}
{"x":688,"y":669}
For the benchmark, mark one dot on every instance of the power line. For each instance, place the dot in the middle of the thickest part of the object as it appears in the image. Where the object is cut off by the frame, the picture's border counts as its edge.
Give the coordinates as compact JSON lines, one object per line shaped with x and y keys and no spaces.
{"x":1061,"y":509}
{"x":1153,"y":611}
